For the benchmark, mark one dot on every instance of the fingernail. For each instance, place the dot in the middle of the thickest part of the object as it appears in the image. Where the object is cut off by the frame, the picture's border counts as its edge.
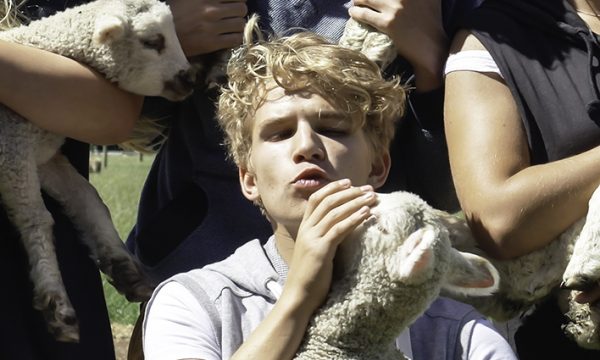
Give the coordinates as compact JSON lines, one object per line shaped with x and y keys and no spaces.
{"x":364,"y":210}
{"x":368,"y":195}
{"x":344,"y":182}
{"x":366,"y":188}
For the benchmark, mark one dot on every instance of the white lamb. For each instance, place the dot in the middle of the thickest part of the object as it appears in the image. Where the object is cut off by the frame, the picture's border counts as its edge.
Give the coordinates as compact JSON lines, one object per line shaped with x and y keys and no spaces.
{"x":133,"y":43}
{"x":572,"y":259}
{"x":385,"y":279}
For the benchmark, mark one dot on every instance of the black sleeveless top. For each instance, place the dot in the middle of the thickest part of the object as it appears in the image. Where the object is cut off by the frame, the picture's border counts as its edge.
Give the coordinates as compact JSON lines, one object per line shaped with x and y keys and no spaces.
{"x":549,"y":60}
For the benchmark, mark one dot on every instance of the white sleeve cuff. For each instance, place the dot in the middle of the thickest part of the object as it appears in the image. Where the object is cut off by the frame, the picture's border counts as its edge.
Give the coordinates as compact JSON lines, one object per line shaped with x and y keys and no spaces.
{"x":472,"y":60}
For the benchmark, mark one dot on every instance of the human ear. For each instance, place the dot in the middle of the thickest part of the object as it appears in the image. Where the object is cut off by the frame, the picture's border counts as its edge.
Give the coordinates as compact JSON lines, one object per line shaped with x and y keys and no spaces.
{"x":248,"y":184}
{"x":380,"y":168}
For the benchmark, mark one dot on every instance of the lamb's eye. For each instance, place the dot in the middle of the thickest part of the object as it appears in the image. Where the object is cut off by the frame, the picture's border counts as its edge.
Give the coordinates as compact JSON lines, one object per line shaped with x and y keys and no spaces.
{"x":155,"y":43}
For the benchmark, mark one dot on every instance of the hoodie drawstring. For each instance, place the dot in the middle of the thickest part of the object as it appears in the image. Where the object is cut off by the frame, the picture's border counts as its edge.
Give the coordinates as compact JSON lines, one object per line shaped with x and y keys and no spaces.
{"x":274,"y":288}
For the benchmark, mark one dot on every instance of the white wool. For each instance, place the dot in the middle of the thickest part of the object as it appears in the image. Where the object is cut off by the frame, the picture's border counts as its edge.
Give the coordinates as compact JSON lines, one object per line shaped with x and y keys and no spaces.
{"x":572,"y":258}
{"x":388,"y":273}
{"x":132,"y":43}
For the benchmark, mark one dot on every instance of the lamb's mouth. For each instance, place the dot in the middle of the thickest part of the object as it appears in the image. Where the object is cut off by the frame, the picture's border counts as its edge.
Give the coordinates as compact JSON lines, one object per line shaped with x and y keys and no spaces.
{"x":181,"y":86}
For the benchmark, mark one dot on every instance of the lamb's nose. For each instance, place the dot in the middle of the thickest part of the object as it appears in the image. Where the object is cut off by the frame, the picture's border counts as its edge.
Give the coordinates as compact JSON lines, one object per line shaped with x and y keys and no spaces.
{"x":180,"y":86}
{"x":186,"y":79}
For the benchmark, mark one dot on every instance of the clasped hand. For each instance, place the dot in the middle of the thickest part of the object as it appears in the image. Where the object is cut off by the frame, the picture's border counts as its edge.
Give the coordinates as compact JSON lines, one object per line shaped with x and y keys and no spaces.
{"x":331,"y":214}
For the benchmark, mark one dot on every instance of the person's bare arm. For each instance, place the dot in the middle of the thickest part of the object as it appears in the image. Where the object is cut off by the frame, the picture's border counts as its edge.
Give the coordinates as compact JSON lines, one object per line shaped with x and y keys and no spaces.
{"x":65,"y":97}
{"x":416,"y":28}
{"x":512,"y":207}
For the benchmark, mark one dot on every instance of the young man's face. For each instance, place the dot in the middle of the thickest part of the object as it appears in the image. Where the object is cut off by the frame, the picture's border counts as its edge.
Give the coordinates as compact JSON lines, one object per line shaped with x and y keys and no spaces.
{"x":300,"y":143}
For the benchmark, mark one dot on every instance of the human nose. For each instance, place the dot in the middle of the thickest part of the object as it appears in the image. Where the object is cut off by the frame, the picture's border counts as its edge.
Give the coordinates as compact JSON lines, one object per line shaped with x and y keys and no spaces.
{"x":308,"y":146}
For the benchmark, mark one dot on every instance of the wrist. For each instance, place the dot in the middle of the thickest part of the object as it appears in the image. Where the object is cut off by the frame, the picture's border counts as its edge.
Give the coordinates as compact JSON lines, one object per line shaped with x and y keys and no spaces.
{"x":428,"y":64}
{"x":295,"y":305}
{"x":429,"y":77}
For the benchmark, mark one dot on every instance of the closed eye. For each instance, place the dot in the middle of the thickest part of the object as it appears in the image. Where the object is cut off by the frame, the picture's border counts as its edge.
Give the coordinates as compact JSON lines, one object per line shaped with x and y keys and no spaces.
{"x":280,"y":135}
{"x":156,"y":42}
{"x":333,"y":131}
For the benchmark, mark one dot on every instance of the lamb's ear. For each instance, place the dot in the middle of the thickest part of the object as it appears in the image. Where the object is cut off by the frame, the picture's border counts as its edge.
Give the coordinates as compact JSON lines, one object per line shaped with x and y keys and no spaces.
{"x":471,"y":275}
{"x":108,"y":28}
{"x":414,"y":260}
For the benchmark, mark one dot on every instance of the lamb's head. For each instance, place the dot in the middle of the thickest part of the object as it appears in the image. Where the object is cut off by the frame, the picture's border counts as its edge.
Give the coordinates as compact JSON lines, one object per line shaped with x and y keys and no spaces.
{"x":141,"y":40}
{"x":423,"y":249}
{"x":408,"y":246}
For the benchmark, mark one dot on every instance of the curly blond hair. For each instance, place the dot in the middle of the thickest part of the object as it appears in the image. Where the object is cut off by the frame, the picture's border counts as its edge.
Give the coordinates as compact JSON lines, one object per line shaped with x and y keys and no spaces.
{"x":306,"y":62}
{"x":11,"y":15}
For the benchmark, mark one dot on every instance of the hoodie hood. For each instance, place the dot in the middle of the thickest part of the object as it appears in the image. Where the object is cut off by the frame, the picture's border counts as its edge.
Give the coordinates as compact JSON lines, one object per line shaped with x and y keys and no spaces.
{"x":254,"y":269}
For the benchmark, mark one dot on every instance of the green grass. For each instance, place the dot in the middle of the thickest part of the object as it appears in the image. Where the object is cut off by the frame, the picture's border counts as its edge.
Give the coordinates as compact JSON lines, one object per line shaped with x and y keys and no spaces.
{"x":119,"y":185}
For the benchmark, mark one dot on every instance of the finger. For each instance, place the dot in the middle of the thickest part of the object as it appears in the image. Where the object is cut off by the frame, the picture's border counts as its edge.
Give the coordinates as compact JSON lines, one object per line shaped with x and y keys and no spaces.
{"x":231,"y":25}
{"x":234,"y":9}
{"x":344,"y":209}
{"x":226,"y":10}
{"x":197,"y":45}
{"x":344,"y":226}
{"x":366,"y":15}
{"x":364,"y":3}
{"x":333,"y":200}
{"x":317,"y":197}
{"x":228,"y":41}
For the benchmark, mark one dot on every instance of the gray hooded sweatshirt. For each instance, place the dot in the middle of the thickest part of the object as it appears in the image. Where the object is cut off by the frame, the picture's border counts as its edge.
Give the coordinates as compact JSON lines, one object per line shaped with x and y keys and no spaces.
{"x":239,"y":292}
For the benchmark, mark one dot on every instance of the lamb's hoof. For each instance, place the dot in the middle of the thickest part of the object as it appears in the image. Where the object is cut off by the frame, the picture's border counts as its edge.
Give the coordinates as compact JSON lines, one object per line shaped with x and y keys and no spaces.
{"x":64,"y":333}
{"x":580,"y":282}
{"x":128,"y":277}
{"x":60,"y":317}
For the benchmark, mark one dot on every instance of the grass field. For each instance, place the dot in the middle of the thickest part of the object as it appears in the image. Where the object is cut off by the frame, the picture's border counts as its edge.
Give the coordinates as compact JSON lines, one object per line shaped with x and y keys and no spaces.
{"x":119,"y":185}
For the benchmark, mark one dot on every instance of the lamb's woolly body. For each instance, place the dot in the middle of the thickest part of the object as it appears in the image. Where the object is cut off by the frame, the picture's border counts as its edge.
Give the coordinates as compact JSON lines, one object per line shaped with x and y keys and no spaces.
{"x":374,"y":297}
{"x":109,"y":36}
{"x":71,"y":33}
{"x":68,"y":33}
{"x":378,"y":292}
{"x":573,"y":259}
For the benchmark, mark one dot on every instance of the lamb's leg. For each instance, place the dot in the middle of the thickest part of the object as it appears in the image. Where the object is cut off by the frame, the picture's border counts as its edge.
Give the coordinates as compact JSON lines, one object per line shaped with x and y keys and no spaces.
{"x":377,"y":46}
{"x":91,"y":218}
{"x":583,"y":270}
{"x":21,"y":196}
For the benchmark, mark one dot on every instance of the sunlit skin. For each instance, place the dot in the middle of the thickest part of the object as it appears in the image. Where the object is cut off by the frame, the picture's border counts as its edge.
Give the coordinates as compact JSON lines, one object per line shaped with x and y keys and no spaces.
{"x":513,"y":206}
{"x":300,"y":143}
{"x":315,"y":173}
